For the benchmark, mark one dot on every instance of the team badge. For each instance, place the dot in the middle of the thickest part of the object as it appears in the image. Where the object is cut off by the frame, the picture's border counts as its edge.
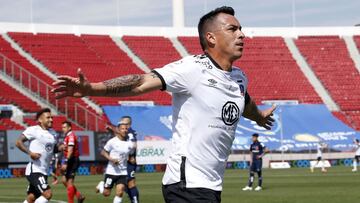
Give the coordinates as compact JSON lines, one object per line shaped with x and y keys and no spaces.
{"x":230,"y":113}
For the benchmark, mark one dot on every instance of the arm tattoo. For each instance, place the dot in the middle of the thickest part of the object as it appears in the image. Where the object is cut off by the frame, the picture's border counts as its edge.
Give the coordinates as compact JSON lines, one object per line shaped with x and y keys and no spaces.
{"x":123,"y":84}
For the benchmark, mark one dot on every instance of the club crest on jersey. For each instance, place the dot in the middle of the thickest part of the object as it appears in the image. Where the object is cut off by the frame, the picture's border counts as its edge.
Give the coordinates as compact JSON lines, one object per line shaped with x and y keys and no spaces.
{"x":230,"y":113}
{"x":48,"y":147}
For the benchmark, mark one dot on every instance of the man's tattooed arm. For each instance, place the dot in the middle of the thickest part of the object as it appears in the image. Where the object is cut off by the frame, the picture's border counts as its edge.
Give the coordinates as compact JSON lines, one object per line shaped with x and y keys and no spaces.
{"x":122,"y":85}
{"x":129,"y":85}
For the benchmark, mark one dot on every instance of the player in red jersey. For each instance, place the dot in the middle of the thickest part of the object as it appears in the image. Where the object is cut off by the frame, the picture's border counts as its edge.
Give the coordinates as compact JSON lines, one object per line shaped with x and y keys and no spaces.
{"x":70,"y":163}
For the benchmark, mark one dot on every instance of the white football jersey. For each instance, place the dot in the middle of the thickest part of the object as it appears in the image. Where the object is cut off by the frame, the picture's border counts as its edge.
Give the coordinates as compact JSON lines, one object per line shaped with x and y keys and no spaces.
{"x":319,"y":150}
{"x":119,"y":150}
{"x":43,"y":142}
{"x":357,"y":153}
{"x":207,"y":105}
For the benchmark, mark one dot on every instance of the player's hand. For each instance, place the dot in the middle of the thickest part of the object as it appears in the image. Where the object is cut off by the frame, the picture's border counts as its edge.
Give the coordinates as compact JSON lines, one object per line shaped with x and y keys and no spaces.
{"x":34,"y":156}
{"x":68,"y":86}
{"x":266,"y":119}
{"x":63,"y":167}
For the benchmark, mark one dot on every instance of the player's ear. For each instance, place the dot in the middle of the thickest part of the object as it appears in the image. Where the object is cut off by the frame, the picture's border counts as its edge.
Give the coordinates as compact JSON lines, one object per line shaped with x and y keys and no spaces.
{"x":211,"y":39}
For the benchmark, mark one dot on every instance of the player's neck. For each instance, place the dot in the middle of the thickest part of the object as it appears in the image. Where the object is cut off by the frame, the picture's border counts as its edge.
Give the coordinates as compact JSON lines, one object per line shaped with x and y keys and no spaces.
{"x":43,"y":127}
{"x":120,"y":138}
{"x":219,"y":60}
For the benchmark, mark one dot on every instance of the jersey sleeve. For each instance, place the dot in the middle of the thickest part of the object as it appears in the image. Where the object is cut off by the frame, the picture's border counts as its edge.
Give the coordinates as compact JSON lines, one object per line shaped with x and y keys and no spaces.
{"x":71,"y":140}
{"x":29,"y":133}
{"x":108,"y":146}
{"x":179,"y":77}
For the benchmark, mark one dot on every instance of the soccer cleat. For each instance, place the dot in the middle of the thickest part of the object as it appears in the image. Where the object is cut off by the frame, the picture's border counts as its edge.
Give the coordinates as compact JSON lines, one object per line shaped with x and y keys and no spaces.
{"x":323,"y":170}
{"x":258,"y":188}
{"x":247,"y":188}
{"x":354,"y":170}
{"x":98,"y":186}
{"x":81,"y":199}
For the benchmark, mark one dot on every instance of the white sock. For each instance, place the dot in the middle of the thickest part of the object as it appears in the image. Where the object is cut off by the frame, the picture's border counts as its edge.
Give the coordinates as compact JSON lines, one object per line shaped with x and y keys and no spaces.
{"x":355,"y":164}
{"x":101,"y":187}
{"x":117,"y":199}
{"x":41,"y":199}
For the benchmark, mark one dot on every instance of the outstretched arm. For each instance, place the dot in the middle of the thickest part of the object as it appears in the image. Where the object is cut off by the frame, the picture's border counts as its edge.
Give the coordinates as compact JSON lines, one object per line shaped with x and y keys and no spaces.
{"x":128,"y":85}
{"x":262,"y":118}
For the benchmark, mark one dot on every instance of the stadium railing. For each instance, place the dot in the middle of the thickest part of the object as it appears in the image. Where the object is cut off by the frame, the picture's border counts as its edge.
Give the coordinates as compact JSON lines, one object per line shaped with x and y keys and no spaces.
{"x":41,"y":90}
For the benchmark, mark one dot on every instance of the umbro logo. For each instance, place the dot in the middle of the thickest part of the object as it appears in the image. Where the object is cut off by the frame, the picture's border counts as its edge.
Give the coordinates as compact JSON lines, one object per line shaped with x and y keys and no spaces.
{"x":212,"y":82}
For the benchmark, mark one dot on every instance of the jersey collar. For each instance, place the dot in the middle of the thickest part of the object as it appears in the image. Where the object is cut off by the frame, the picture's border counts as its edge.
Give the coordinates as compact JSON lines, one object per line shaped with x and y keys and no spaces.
{"x":216,"y":64}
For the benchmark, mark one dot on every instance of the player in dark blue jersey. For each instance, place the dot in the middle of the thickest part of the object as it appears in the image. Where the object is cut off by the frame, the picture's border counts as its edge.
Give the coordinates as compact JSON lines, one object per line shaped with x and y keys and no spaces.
{"x":131,"y":188}
{"x":257,"y":152}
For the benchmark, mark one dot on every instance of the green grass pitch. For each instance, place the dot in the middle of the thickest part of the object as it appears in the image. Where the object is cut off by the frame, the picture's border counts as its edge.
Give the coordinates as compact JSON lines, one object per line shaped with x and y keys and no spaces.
{"x":296,"y":185}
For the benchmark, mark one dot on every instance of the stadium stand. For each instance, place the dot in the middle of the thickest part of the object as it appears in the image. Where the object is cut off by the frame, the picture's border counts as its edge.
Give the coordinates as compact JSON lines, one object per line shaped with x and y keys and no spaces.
{"x":7,"y":124}
{"x":98,"y":56}
{"x":65,"y":107}
{"x":330,"y":60}
{"x":11,"y":96}
{"x":154,"y":51}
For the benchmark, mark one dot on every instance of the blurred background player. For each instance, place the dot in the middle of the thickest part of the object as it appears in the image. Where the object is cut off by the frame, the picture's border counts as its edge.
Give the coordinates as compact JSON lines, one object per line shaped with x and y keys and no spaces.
{"x":42,"y":146}
{"x":257,"y":152}
{"x":53,"y":168}
{"x":70,"y":162}
{"x":116,"y":151}
{"x":131,"y":188}
{"x":357,"y":155}
{"x":320,"y":147}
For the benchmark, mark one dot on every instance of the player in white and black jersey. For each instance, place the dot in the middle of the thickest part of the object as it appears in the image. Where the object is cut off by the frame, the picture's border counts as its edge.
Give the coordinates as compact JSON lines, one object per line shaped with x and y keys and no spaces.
{"x":209,"y":96}
{"x":43,"y":142}
{"x":357,"y":155}
{"x":319,"y":157}
{"x":116,"y":151}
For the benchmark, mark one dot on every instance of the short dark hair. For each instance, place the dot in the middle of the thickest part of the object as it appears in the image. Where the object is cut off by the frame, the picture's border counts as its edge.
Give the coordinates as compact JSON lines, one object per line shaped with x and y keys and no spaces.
{"x":41,"y":112}
{"x":68,"y":123}
{"x":209,"y":17}
{"x":128,"y":117}
{"x":255,"y":135}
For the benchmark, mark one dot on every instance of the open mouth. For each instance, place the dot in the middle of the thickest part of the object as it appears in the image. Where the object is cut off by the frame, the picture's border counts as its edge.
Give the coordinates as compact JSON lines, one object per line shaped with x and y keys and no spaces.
{"x":240,"y":44}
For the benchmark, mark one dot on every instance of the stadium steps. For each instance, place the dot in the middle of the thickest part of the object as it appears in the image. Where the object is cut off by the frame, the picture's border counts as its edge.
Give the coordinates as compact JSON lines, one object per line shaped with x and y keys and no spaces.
{"x":154,"y":51}
{"x":178,"y":46}
{"x":353,"y":51}
{"x":310,"y":75}
{"x":27,"y":93}
{"x":135,"y":59}
{"x":43,"y":68}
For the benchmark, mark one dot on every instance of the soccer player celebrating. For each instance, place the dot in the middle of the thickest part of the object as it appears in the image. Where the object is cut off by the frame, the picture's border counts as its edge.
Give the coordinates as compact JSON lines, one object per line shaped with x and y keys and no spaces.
{"x":357,"y":155}
{"x":42,"y":146}
{"x":70,"y":162}
{"x":319,"y":148}
{"x":116,"y":151}
{"x":209,"y":96}
{"x":257,"y":152}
